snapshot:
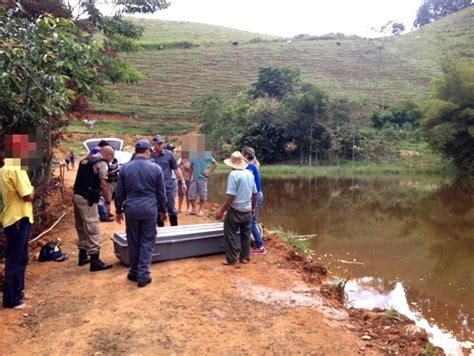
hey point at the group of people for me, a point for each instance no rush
(145, 197)
(144, 192)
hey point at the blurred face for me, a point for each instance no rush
(22, 146)
(201, 143)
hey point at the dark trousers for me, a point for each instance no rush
(16, 259)
(171, 209)
(233, 241)
(141, 237)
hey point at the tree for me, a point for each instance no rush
(275, 82)
(267, 138)
(52, 64)
(405, 113)
(307, 112)
(342, 122)
(449, 118)
(210, 112)
(432, 10)
(393, 28)
(46, 65)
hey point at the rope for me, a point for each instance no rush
(45, 232)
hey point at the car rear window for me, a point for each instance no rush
(93, 143)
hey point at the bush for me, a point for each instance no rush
(406, 114)
(267, 139)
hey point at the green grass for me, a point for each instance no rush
(166, 32)
(299, 243)
(394, 315)
(347, 170)
(175, 77)
(136, 127)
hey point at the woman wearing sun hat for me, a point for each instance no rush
(240, 207)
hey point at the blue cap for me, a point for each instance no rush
(158, 139)
(142, 145)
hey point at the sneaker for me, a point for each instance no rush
(258, 251)
(107, 219)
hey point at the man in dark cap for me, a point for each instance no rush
(166, 160)
(141, 195)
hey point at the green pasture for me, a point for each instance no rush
(348, 170)
(374, 71)
(167, 32)
(134, 127)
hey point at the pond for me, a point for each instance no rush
(388, 235)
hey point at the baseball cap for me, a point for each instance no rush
(158, 139)
(142, 145)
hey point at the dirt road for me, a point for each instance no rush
(193, 306)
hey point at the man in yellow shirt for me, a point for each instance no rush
(16, 193)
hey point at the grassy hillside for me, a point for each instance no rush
(159, 32)
(351, 67)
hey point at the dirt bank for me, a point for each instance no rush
(272, 305)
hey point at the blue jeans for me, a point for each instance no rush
(16, 259)
(102, 209)
(255, 230)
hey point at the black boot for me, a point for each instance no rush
(83, 258)
(97, 264)
(173, 220)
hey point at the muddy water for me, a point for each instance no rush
(409, 234)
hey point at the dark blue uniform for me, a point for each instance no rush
(141, 194)
(168, 163)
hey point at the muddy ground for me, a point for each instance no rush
(273, 305)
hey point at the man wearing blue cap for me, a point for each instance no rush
(141, 195)
(166, 160)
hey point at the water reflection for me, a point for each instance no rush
(420, 233)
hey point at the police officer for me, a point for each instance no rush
(166, 160)
(141, 195)
(91, 180)
(170, 147)
(112, 177)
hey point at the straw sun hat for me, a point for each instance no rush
(236, 161)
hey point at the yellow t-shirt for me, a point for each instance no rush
(14, 185)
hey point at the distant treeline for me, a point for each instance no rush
(286, 119)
